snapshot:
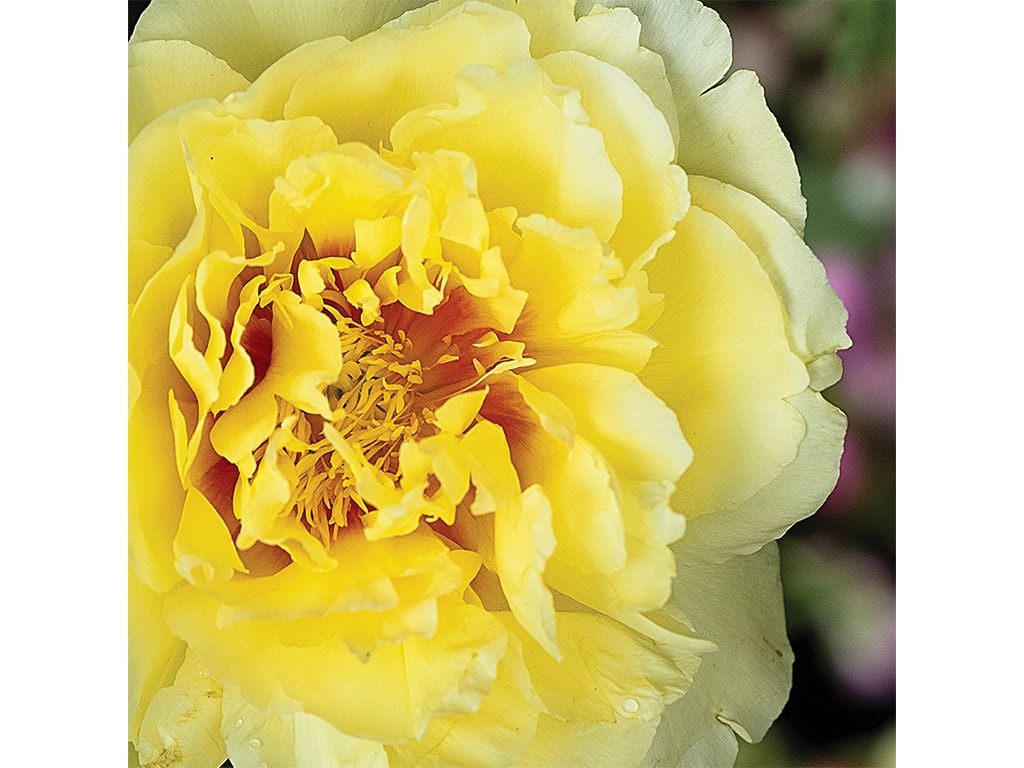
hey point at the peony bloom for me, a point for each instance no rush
(474, 368)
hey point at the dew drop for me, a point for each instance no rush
(630, 706)
(203, 673)
(238, 723)
(255, 743)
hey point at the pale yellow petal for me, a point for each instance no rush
(738, 605)
(383, 592)
(493, 473)
(165, 73)
(257, 738)
(237, 162)
(144, 259)
(599, 710)
(723, 365)
(578, 307)
(610, 36)
(587, 518)
(155, 495)
(730, 134)
(340, 194)
(458, 412)
(726, 132)
(252, 34)
(162, 207)
(815, 317)
(614, 35)
(318, 743)
(798, 490)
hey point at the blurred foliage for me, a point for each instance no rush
(828, 68)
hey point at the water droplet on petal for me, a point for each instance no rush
(630, 706)
(255, 743)
(238, 723)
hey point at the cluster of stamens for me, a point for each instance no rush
(374, 408)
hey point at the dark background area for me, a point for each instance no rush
(828, 68)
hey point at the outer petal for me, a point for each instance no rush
(250, 35)
(155, 495)
(724, 365)
(815, 317)
(743, 686)
(813, 322)
(165, 73)
(726, 132)
(594, 745)
(795, 493)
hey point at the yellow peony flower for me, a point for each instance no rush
(474, 367)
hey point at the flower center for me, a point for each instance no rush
(374, 408)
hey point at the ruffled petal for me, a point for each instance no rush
(531, 143)
(598, 711)
(639, 146)
(631, 427)
(376, 80)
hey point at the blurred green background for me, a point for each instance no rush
(828, 68)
